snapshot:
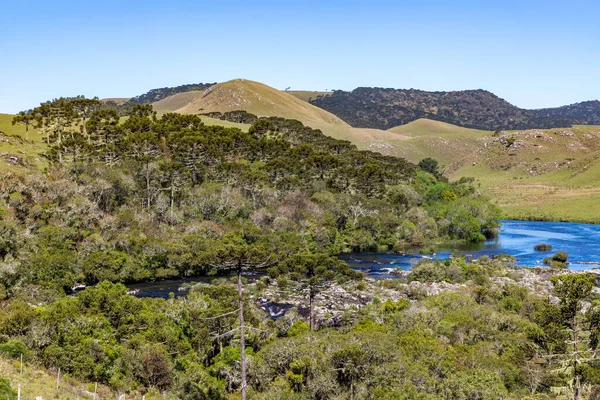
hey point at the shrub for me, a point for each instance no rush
(6, 392)
(14, 348)
(542, 247)
(557, 261)
(298, 328)
(561, 256)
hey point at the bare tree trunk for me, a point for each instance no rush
(311, 316)
(576, 381)
(85, 131)
(242, 338)
(148, 194)
(172, 201)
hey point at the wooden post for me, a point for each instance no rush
(95, 389)
(19, 392)
(242, 338)
(58, 379)
(21, 364)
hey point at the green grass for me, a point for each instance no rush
(29, 151)
(553, 175)
(227, 124)
(428, 127)
(36, 381)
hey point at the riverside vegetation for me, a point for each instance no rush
(144, 198)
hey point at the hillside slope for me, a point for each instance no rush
(265, 101)
(307, 95)
(428, 127)
(385, 108)
(543, 174)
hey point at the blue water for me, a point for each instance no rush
(517, 238)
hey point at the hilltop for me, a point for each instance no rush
(265, 101)
(480, 109)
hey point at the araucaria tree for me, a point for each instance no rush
(312, 273)
(571, 334)
(245, 249)
(26, 119)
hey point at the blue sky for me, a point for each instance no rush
(531, 53)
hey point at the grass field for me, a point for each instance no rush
(550, 174)
(37, 381)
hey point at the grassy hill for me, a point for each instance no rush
(429, 127)
(176, 101)
(543, 174)
(307, 95)
(262, 100)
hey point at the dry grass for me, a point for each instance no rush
(307, 95)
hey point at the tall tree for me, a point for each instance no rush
(572, 290)
(245, 249)
(313, 273)
(84, 108)
(106, 135)
(26, 119)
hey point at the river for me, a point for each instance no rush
(517, 238)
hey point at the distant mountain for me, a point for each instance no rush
(386, 108)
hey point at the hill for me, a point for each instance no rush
(549, 174)
(386, 108)
(428, 127)
(307, 95)
(265, 101)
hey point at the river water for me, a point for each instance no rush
(517, 238)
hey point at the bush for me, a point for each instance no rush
(14, 348)
(561, 256)
(6, 392)
(542, 247)
(557, 261)
(298, 328)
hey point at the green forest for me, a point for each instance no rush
(142, 198)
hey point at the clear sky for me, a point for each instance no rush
(531, 53)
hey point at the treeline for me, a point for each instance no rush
(387, 108)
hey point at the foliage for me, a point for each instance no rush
(386, 108)
(542, 247)
(6, 392)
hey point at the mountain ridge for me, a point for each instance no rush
(385, 108)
